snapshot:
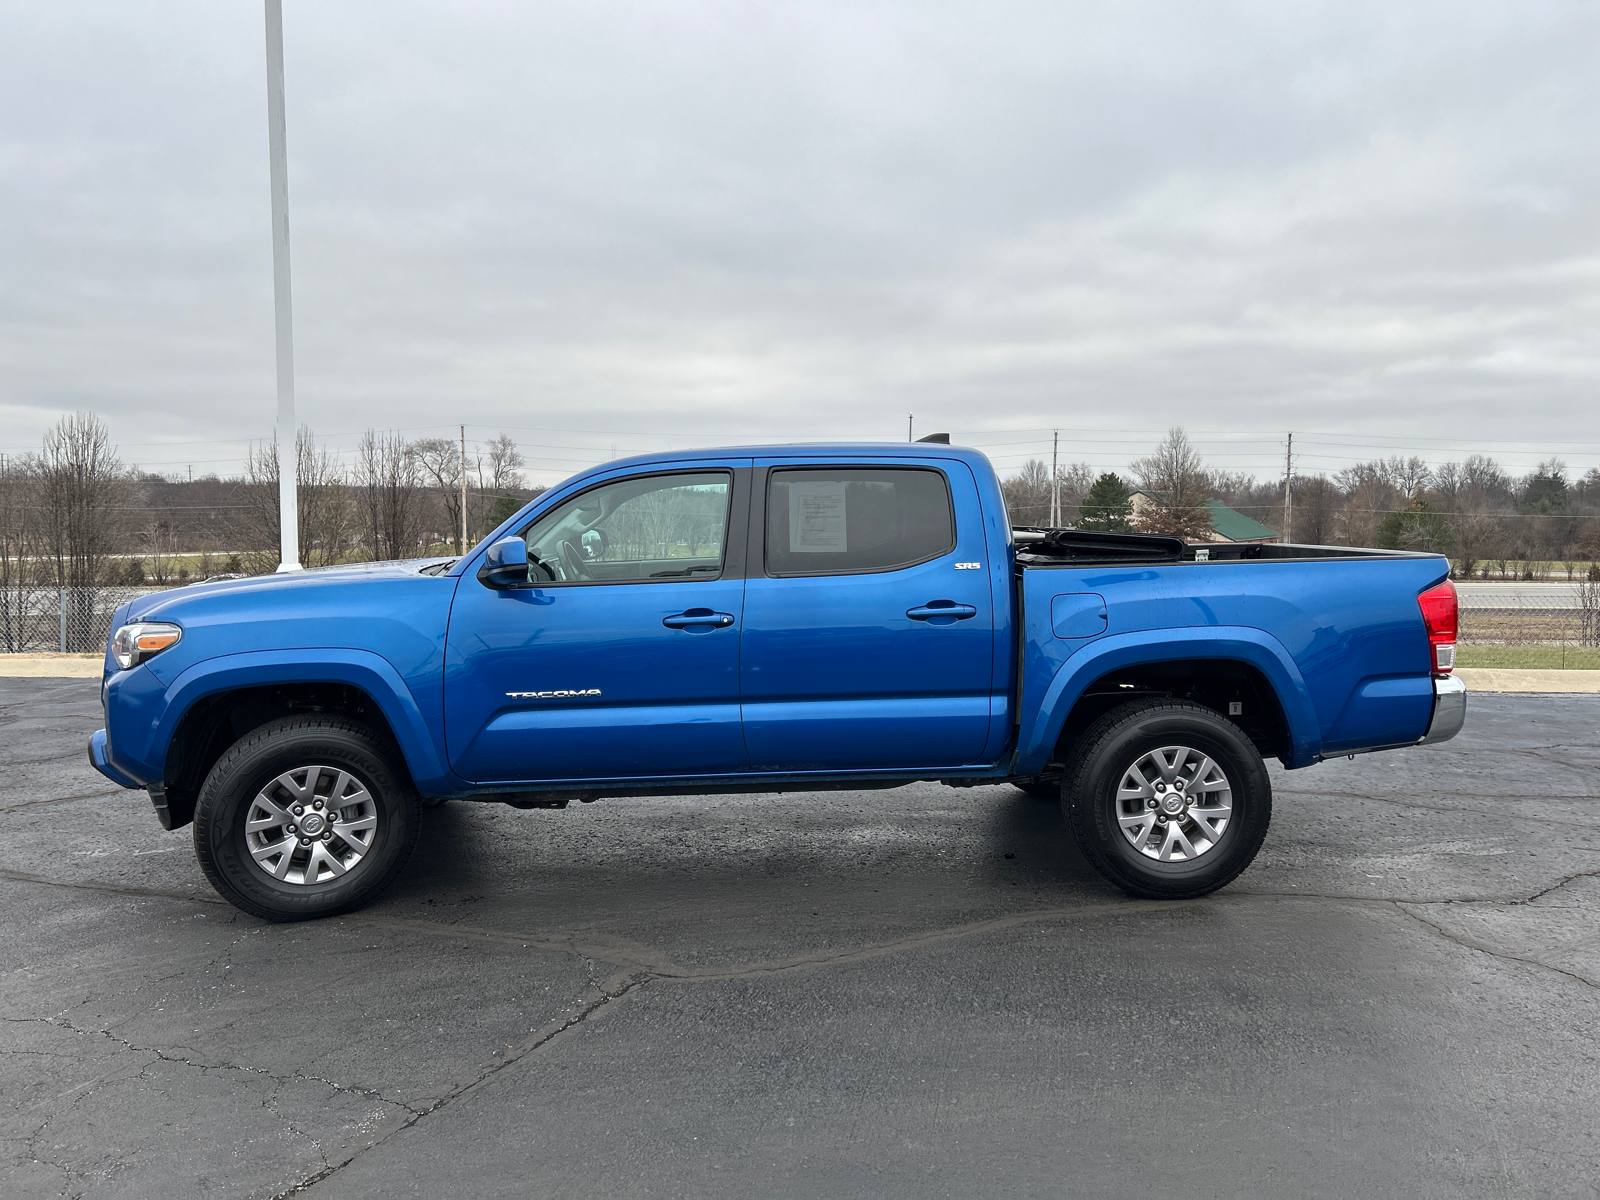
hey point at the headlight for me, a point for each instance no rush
(133, 644)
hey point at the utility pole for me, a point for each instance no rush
(1055, 481)
(278, 170)
(1288, 489)
(463, 489)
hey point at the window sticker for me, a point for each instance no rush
(817, 518)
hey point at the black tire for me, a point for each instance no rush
(1040, 789)
(288, 745)
(1111, 747)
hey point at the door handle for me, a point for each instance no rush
(941, 612)
(698, 620)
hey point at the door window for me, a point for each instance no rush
(840, 521)
(648, 529)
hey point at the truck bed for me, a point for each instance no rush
(1324, 645)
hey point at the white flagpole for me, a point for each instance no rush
(278, 165)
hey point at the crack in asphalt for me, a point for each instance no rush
(101, 794)
(1470, 943)
(1561, 883)
(36, 762)
(611, 991)
(59, 1022)
(641, 965)
(111, 889)
(29, 1148)
(1457, 810)
(653, 966)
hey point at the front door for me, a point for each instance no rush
(868, 627)
(619, 658)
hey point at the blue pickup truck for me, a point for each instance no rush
(791, 618)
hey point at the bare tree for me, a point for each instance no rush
(505, 465)
(1403, 475)
(1316, 510)
(1176, 487)
(1368, 498)
(323, 506)
(81, 484)
(1027, 494)
(1408, 476)
(1588, 547)
(439, 462)
(19, 528)
(159, 564)
(499, 482)
(1477, 534)
(390, 490)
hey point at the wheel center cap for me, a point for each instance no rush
(312, 823)
(1172, 805)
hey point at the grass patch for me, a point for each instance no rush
(1544, 658)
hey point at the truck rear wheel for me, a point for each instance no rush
(1168, 799)
(304, 817)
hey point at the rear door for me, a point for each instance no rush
(868, 624)
(619, 658)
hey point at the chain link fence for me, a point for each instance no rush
(63, 620)
(67, 620)
(1551, 616)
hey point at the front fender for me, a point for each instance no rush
(141, 752)
(1058, 689)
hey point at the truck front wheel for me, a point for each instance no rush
(304, 817)
(1168, 799)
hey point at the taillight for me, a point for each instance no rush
(1439, 611)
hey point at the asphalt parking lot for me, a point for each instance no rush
(919, 992)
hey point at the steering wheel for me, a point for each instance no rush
(572, 561)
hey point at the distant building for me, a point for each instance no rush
(1227, 524)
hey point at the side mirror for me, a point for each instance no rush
(506, 563)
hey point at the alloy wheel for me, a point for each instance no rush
(310, 825)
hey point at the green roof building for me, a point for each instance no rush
(1227, 524)
(1232, 525)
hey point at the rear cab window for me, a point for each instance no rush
(856, 520)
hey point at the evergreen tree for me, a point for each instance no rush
(1106, 506)
(1418, 528)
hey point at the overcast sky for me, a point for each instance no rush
(620, 226)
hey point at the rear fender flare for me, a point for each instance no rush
(370, 672)
(1240, 643)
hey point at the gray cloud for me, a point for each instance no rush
(623, 225)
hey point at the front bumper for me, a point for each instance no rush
(101, 761)
(1449, 709)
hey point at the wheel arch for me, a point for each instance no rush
(216, 702)
(216, 721)
(1210, 666)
